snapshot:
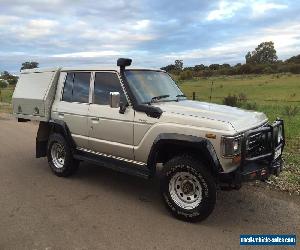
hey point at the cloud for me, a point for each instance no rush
(153, 33)
(285, 37)
(258, 9)
(36, 28)
(88, 54)
(226, 9)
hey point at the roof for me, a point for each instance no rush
(84, 68)
(39, 70)
(101, 67)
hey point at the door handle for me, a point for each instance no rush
(95, 119)
(61, 115)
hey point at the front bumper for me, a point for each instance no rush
(261, 155)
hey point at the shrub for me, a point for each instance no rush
(242, 97)
(231, 100)
(295, 68)
(186, 75)
(268, 70)
(250, 105)
(207, 73)
(290, 111)
(3, 83)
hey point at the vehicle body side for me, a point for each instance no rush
(146, 130)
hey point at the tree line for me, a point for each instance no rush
(262, 60)
(7, 78)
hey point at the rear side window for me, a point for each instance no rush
(67, 96)
(106, 82)
(77, 86)
(81, 87)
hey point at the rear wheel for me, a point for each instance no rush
(189, 191)
(60, 157)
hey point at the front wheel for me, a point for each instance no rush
(188, 190)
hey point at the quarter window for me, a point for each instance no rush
(77, 86)
(105, 83)
(68, 88)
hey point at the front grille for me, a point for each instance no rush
(261, 143)
(258, 142)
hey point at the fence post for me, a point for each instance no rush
(194, 96)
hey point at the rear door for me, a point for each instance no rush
(111, 133)
(74, 105)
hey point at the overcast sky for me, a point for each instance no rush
(153, 33)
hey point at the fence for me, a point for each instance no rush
(197, 96)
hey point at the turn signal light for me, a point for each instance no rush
(211, 136)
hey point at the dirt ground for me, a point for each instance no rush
(101, 209)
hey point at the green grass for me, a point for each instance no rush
(6, 94)
(261, 88)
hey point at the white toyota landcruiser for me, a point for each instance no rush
(132, 119)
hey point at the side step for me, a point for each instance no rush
(115, 164)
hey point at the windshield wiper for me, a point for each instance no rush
(156, 98)
(180, 95)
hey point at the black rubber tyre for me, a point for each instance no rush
(69, 165)
(201, 179)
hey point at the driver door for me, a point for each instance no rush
(111, 133)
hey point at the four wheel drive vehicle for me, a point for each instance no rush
(132, 119)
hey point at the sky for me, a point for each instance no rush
(153, 33)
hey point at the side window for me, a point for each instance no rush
(105, 83)
(68, 88)
(77, 86)
(81, 87)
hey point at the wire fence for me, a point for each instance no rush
(198, 96)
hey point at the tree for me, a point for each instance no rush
(5, 75)
(264, 53)
(29, 65)
(199, 67)
(179, 65)
(169, 68)
(214, 66)
(9, 78)
(226, 66)
(294, 59)
(3, 83)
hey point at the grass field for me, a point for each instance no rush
(6, 94)
(276, 95)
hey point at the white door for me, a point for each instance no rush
(111, 133)
(74, 106)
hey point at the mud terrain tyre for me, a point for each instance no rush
(60, 157)
(188, 189)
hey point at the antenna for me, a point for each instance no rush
(211, 90)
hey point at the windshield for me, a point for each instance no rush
(149, 86)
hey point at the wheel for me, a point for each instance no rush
(60, 157)
(188, 190)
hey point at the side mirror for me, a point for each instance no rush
(123, 107)
(114, 99)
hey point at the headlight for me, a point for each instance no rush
(231, 146)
